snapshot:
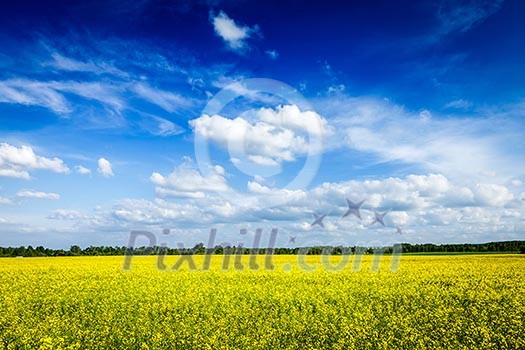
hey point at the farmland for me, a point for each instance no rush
(447, 302)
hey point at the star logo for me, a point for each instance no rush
(353, 208)
(318, 220)
(379, 218)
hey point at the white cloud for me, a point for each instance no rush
(492, 195)
(392, 134)
(158, 126)
(17, 162)
(20, 174)
(266, 193)
(265, 137)
(187, 182)
(107, 94)
(265, 143)
(69, 64)
(33, 93)
(419, 192)
(159, 211)
(37, 195)
(4, 200)
(51, 94)
(291, 117)
(166, 127)
(459, 104)
(259, 179)
(104, 167)
(336, 89)
(425, 205)
(168, 101)
(66, 214)
(233, 34)
(82, 170)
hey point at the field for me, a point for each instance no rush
(446, 302)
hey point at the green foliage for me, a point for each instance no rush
(199, 249)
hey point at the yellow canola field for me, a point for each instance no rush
(431, 302)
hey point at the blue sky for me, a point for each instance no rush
(419, 107)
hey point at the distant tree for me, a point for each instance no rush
(199, 249)
(60, 252)
(75, 250)
(30, 251)
(20, 251)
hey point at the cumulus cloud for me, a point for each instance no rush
(492, 195)
(154, 212)
(187, 182)
(104, 167)
(233, 34)
(266, 137)
(37, 195)
(260, 148)
(17, 162)
(418, 192)
(427, 206)
(265, 194)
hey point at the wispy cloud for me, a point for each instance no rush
(273, 54)
(33, 93)
(394, 134)
(159, 126)
(7, 201)
(169, 101)
(37, 195)
(459, 104)
(461, 17)
(82, 170)
(50, 94)
(120, 92)
(65, 214)
(70, 64)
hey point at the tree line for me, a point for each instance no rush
(75, 250)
